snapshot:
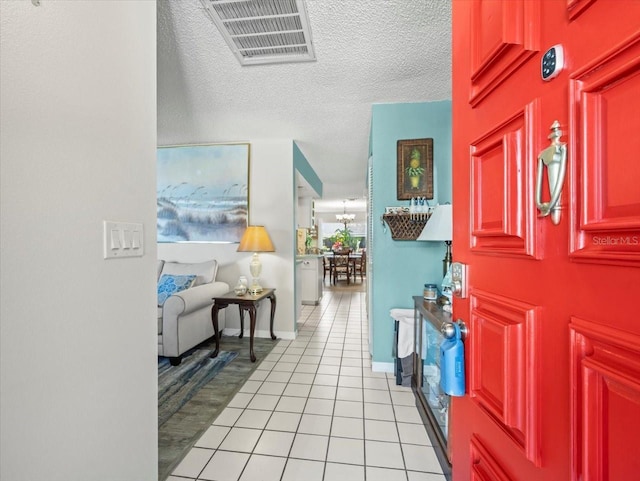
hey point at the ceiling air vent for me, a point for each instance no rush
(264, 31)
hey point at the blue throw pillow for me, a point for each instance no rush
(169, 285)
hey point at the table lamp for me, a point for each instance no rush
(255, 239)
(439, 229)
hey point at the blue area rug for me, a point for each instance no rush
(178, 384)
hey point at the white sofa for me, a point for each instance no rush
(184, 321)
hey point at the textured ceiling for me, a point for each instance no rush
(368, 51)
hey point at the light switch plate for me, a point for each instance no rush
(123, 239)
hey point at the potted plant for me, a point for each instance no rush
(414, 170)
(342, 239)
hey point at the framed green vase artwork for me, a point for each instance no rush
(415, 168)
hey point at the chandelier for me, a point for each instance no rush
(345, 218)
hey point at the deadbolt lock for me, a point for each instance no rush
(459, 279)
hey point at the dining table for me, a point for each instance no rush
(353, 258)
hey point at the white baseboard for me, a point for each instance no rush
(259, 333)
(289, 336)
(382, 367)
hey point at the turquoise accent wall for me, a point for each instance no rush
(301, 164)
(401, 268)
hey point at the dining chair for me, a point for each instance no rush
(342, 266)
(326, 267)
(361, 266)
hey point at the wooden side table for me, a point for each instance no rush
(247, 302)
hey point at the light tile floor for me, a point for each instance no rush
(314, 411)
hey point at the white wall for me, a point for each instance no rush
(304, 211)
(271, 197)
(78, 369)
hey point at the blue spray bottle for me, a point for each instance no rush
(452, 379)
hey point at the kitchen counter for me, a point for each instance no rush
(311, 273)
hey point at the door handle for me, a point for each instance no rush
(448, 329)
(554, 158)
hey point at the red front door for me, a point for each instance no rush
(553, 352)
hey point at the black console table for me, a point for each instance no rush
(433, 404)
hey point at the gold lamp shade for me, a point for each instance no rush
(255, 239)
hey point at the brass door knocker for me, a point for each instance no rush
(554, 158)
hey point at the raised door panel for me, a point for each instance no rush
(503, 370)
(576, 7)
(504, 34)
(484, 464)
(605, 383)
(606, 224)
(503, 219)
